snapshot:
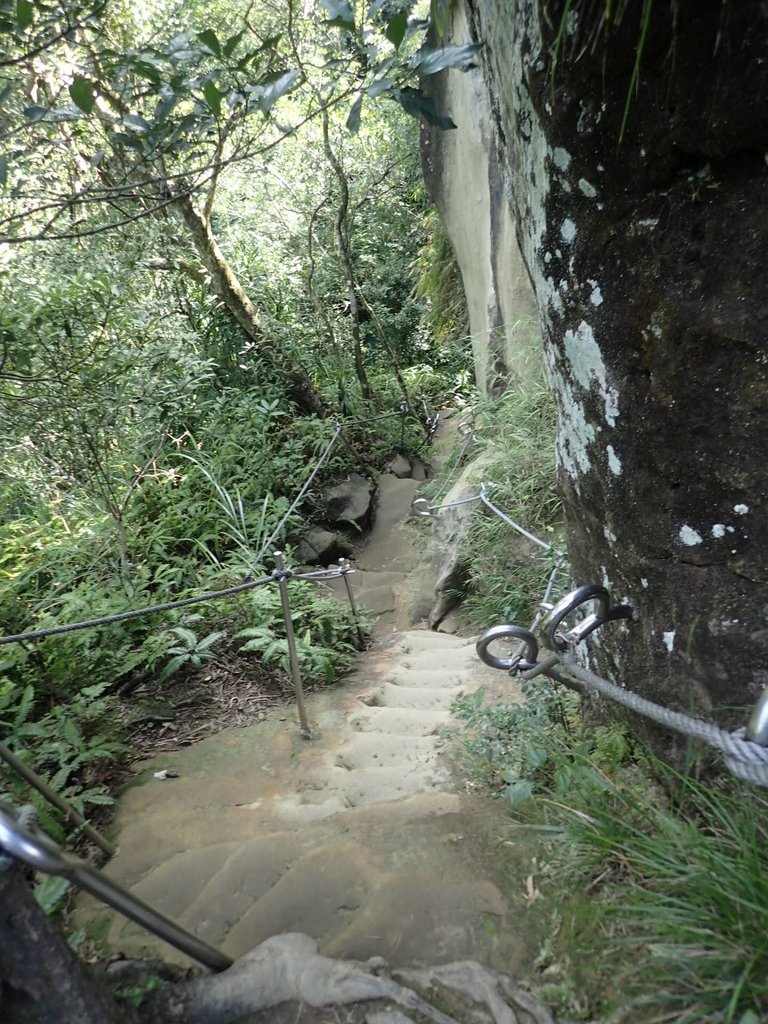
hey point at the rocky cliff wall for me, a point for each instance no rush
(464, 180)
(635, 163)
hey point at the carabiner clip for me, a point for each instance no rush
(605, 613)
(516, 663)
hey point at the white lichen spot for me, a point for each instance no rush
(644, 583)
(568, 230)
(575, 435)
(669, 640)
(614, 463)
(561, 158)
(563, 285)
(596, 296)
(689, 536)
(609, 535)
(600, 167)
(649, 222)
(606, 580)
(588, 368)
(718, 531)
(547, 257)
(731, 529)
(741, 510)
(589, 190)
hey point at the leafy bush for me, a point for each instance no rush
(326, 634)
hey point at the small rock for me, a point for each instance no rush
(350, 501)
(166, 773)
(418, 470)
(450, 624)
(399, 467)
(320, 547)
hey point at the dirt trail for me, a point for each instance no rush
(362, 837)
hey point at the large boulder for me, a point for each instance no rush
(321, 547)
(350, 502)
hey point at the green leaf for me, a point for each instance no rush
(340, 13)
(212, 97)
(50, 892)
(25, 13)
(136, 123)
(396, 29)
(414, 102)
(83, 93)
(35, 112)
(210, 41)
(278, 88)
(353, 121)
(379, 86)
(232, 43)
(428, 61)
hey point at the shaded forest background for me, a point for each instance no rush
(208, 259)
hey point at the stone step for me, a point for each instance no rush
(422, 698)
(415, 641)
(400, 721)
(361, 786)
(427, 678)
(367, 750)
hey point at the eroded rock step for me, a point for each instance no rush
(354, 837)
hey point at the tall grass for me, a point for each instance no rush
(677, 888)
(517, 435)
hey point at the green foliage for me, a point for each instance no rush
(440, 285)
(190, 650)
(679, 893)
(657, 884)
(326, 636)
(511, 745)
(508, 575)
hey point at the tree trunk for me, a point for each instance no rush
(227, 287)
(341, 237)
(647, 250)
(40, 978)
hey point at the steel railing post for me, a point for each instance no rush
(293, 654)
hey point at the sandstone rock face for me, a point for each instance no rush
(465, 183)
(646, 242)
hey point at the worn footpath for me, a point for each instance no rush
(363, 837)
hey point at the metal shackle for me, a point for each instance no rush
(605, 613)
(516, 662)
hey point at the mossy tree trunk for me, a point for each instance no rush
(227, 287)
(41, 980)
(647, 245)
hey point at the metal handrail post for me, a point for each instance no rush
(53, 797)
(293, 654)
(345, 569)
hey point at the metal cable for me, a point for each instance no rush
(516, 526)
(745, 759)
(136, 613)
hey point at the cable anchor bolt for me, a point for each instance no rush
(605, 612)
